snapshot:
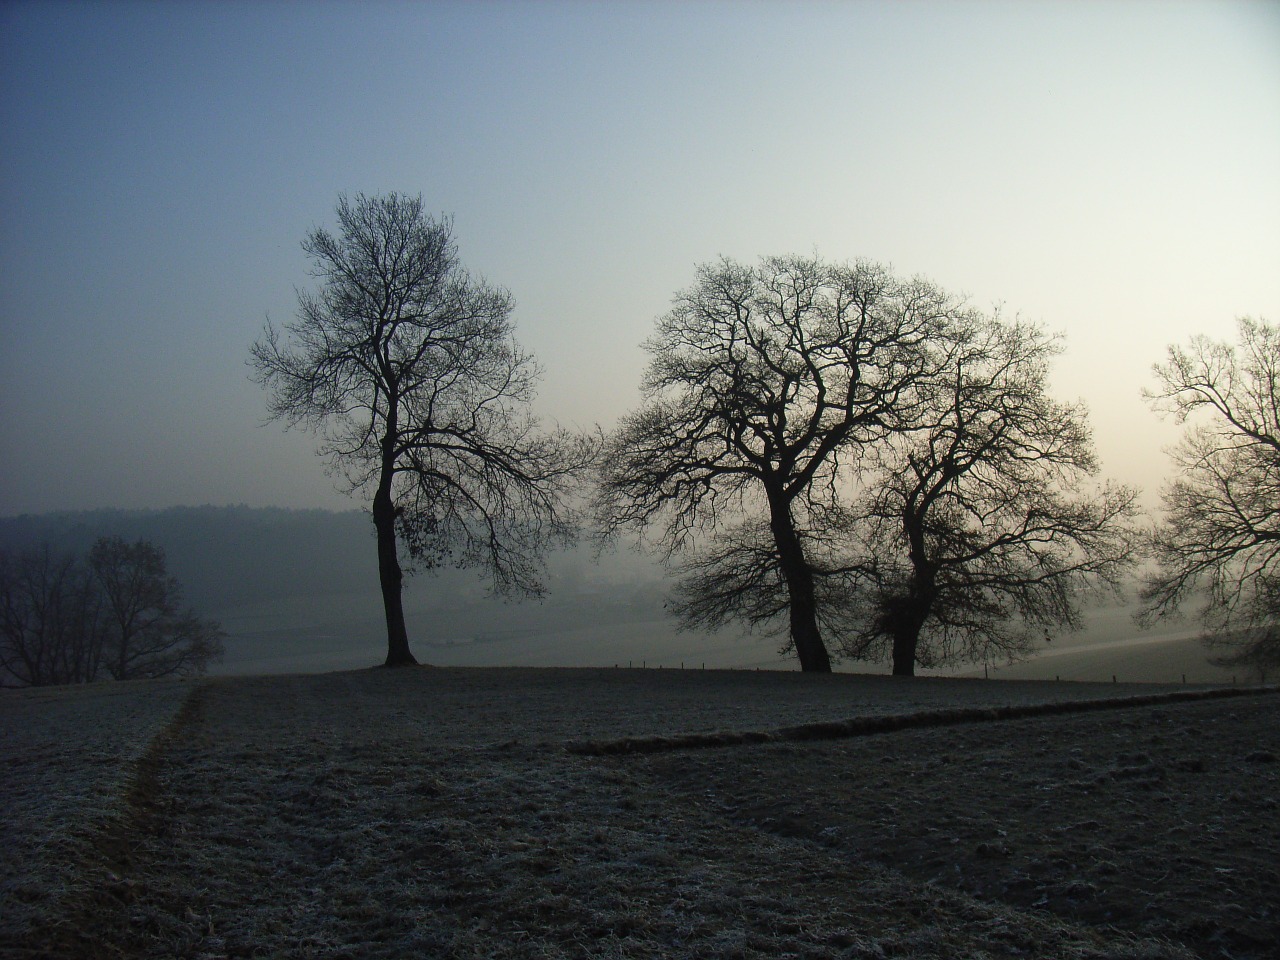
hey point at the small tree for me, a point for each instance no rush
(1219, 539)
(765, 384)
(146, 633)
(50, 620)
(63, 620)
(978, 531)
(407, 369)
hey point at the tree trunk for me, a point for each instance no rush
(904, 650)
(803, 603)
(907, 622)
(391, 578)
(804, 632)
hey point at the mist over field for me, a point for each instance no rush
(296, 591)
(292, 806)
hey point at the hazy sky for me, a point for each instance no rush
(1111, 170)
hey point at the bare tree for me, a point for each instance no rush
(146, 633)
(50, 623)
(980, 530)
(764, 385)
(63, 620)
(1219, 540)
(407, 369)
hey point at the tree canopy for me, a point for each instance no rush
(980, 529)
(865, 463)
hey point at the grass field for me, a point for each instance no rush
(481, 813)
(68, 755)
(347, 631)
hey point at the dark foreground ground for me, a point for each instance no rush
(478, 813)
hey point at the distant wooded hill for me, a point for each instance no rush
(297, 590)
(225, 555)
(235, 555)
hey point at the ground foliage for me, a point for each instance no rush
(440, 813)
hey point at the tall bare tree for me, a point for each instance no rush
(764, 385)
(981, 529)
(1219, 540)
(407, 369)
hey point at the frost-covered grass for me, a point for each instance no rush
(67, 758)
(440, 813)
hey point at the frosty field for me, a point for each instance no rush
(563, 813)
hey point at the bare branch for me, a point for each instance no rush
(978, 531)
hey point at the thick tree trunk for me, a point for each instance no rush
(391, 578)
(804, 633)
(801, 595)
(908, 620)
(904, 651)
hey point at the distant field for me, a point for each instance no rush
(346, 631)
(1112, 645)
(1152, 660)
(297, 593)
(448, 813)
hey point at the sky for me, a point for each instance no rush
(1108, 170)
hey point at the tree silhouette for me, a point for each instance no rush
(407, 369)
(118, 615)
(764, 386)
(145, 631)
(1219, 540)
(979, 530)
(50, 619)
